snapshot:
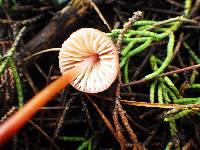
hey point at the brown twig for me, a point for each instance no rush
(118, 108)
(158, 105)
(180, 70)
(105, 119)
(194, 9)
(146, 59)
(152, 135)
(189, 145)
(100, 14)
(88, 115)
(62, 117)
(30, 81)
(122, 140)
(141, 81)
(45, 135)
(172, 2)
(127, 26)
(147, 131)
(126, 123)
(179, 43)
(40, 70)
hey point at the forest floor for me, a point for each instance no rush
(153, 104)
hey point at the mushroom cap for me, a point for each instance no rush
(82, 44)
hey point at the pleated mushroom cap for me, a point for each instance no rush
(84, 43)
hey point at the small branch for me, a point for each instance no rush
(122, 140)
(180, 70)
(100, 14)
(62, 117)
(158, 105)
(44, 134)
(141, 81)
(179, 43)
(126, 27)
(41, 52)
(12, 50)
(105, 119)
(126, 123)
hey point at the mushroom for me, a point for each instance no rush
(84, 43)
(88, 60)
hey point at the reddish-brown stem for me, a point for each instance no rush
(17, 121)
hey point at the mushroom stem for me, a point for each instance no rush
(17, 121)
